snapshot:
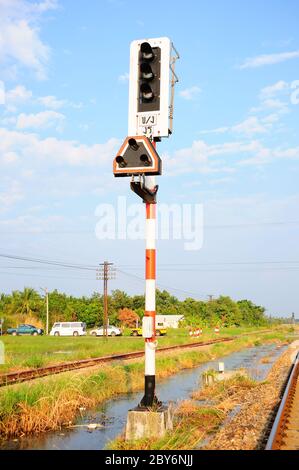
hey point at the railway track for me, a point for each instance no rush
(285, 431)
(24, 376)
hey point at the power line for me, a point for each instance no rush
(71, 265)
(131, 266)
(44, 261)
(158, 283)
(205, 226)
(47, 276)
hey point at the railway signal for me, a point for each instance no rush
(152, 80)
(151, 98)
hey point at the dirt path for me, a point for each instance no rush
(249, 429)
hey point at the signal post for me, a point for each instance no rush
(151, 95)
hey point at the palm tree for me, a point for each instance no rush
(25, 303)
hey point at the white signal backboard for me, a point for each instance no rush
(155, 123)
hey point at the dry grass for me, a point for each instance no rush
(265, 360)
(192, 424)
(52, 402)
(248, 429)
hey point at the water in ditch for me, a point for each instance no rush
(111, 415)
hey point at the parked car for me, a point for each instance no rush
(160, 331)
(25, 330)
(111, 331)
(68, 329)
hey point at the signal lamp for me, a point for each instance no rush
(133, 144)
(121, 161)
(147, 93)
(146, 71)
(145, 160)
(147, 51)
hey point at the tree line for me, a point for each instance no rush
(28, 306)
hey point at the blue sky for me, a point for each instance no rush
(235, 147)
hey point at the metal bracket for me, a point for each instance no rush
(173, 81)
(146, 194)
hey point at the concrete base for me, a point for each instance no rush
(142, 423)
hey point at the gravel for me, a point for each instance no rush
(250, 427)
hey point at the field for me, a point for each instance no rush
(26, 352)
(53, 402)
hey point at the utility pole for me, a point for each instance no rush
(104, 273)
(47, 308)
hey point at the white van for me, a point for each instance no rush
(68, 329)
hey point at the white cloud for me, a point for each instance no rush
(20, 43)
(17, 96)
(53, 168)
(10, 195)
(46, 5)
(190, 93)
(268, 59)
(265, 155)
(30, 147)
(51, 102)
(218, 130)
(41, 120)
(2, 92)
(9, 158)
(274, 104)
(249, 127)
(270, 98)
(199, 158)
(124, 77)
(271, 118)
(54, 103)
(272, 90)
(206, 159)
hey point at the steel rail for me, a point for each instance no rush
(22, 376)
(280, 424)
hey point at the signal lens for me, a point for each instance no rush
(147, 51)
(145, 160)
(146, 71)
(146, 92)
(133, 144)
(121, 161)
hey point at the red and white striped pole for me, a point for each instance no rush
(150, 298)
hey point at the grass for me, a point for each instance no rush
(53, 402)
(193, 423)
(220, 391)
(31, 352)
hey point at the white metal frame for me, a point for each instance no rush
(157, 123)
